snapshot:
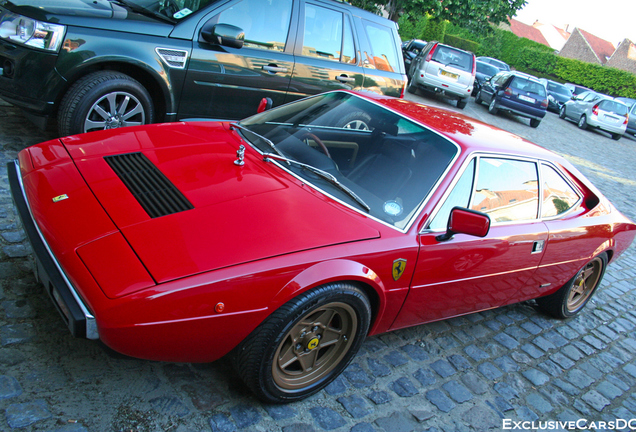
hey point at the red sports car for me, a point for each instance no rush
(287, 238)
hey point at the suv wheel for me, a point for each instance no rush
(357, 120)
(616, 136)
(534, 123)
(492, 108)
(104, 100)
(583, 122)
(461, 103)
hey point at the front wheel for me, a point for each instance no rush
(583, 122)
(572, 297)
(562, 112)
(305, 344)
(357, 120)
(492, 108)
(104, 100)
(478, 97)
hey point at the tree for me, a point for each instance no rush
(474, 14)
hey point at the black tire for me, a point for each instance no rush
(357, 120)
(572, 297)
(492, 108)
(616, 136)
(283, 359)
(478, 97)
(105, 92)
(411, 87)
(583, 122)
(461, 103)
(562, 112)
(535, 123)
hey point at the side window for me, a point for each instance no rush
(324, 30)
(384, 56)
(265, 22)
(459, 197)
(558, 195)
(507, 190)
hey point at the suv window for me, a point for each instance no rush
(384, 55)
(507, 190)
(324, 29)
(450, 56)
(266, 25)
(558, 195)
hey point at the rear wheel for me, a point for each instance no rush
(104, 100)
(583, 122)
(478, 97)
(616, 136)
(461, 103)
(534, 123)
(305, 344)
(572, 297)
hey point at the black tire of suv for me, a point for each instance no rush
(616, 136)
(461, 103)
(77, 102)
(534, 123)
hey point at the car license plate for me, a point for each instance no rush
(527, 99)
(449, 74)
(611, 119)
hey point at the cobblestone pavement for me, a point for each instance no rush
(463, 374)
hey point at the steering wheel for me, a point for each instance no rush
(318, 141)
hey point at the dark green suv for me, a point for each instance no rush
(100, 64)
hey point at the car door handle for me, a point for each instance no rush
(345, 79)
(274, 69)
(537, 246)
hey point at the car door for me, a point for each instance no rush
(466, 274)
(227, 83)
(326, 55)
(492, 86)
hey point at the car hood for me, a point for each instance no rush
(100, 14)
(236, 214)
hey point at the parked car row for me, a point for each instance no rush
(594, 110)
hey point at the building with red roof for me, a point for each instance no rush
(586, 47)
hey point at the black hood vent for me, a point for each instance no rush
(156, 194)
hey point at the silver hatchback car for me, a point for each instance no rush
(595, 110)
(443, 69)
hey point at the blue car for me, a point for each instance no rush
(515, 92)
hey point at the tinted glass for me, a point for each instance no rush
(385, 54)
(451, 56)
(558, 195)
(486, 69)
(459, 197)
(613, 106)
(558, 88)
(507, 190)
(266, 23)
(526, 85)
(323, 33)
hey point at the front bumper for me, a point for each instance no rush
(79, 319)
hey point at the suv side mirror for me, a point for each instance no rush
(223, 34)
(464, 221)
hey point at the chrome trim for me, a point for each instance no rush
(91, 324)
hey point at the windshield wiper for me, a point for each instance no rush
(267, 157)
(270, 143)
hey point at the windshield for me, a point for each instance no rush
(174, 10)
(486, 69)
(560, 89)
(383, 164)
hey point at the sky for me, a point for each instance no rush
(612, 20)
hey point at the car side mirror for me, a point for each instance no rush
(223, 34)
(265, 104)
(464, 221)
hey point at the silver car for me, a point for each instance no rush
(631, 123)
(443, 69)
(595, 110)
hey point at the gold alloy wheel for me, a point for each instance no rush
(314, 346)
(584, 284)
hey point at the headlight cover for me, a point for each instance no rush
(29, 32)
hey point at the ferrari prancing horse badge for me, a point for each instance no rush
(399, 265)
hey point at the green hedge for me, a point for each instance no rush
(461, 43)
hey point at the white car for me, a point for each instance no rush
(444, 69)
(595, 110)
